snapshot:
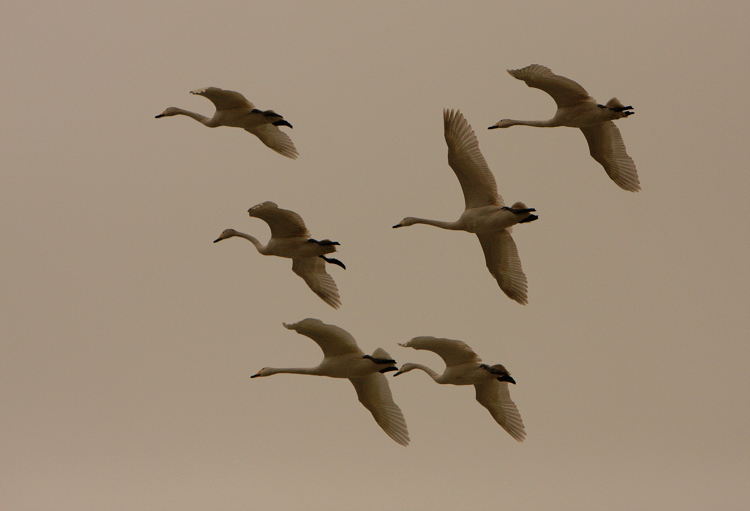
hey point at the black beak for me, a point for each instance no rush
(387, 369)
(529, 218)
(507, 378)
(282, 122)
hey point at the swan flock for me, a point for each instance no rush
(485, 215)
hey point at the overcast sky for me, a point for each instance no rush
(128, 337)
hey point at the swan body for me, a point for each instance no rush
(291, 239)
(485, 213)
(576, 109)
(464, 367)
(342, 358)
(232, 109)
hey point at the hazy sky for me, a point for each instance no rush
(128, 337)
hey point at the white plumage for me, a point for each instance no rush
(576, 109)
(485, 213)
(342, 358)
(464, 367)
(232, 109)
(290, 238)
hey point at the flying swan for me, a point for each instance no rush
(464, 367)
(485, 213)
(232, 109)
(576, 109)
(342, 358)
(290, 238)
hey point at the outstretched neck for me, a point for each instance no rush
(539, 124)
(198, 117)
(453, 226)
(435, 376)
(261, 248)
(268, 371)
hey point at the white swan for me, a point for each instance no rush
(485, 213)
(290, 238)
(464, 367)
(232, 109)
(576, 109)
(342, 358)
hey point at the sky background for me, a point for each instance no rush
(128, 337)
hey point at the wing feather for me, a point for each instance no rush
(276, 139)
(451, 351)
(333, 340)
(466, 160)
(224, 99)
(495, 396)
(313, 272)
(283, 223)
(375, 394)
(503, 262)
(606, 147)
(563, 90)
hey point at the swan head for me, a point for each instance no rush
(504, 123)
(263, 372)
(405, 369)
(227, 233)
(406, 222)
(169, 111)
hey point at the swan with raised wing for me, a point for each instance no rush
(485, 214)
(342, 358)
(290, 238)
(232, 109)
(576, 109)
(464, 367)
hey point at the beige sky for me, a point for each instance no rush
(128, 337)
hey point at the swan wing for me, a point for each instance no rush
(606, 147)
(333, 340)
(451, 351)
(467, 162)
(563, 90)
(501, 256)
(495, 396)
(283, 223)
(313, 272)
(276, 139)
(375, 394)
(224, 99)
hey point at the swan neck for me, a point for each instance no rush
(198, 117)
(435, 376)
(453, 226)
(538, 124)
(291, 370)
(261, 248)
